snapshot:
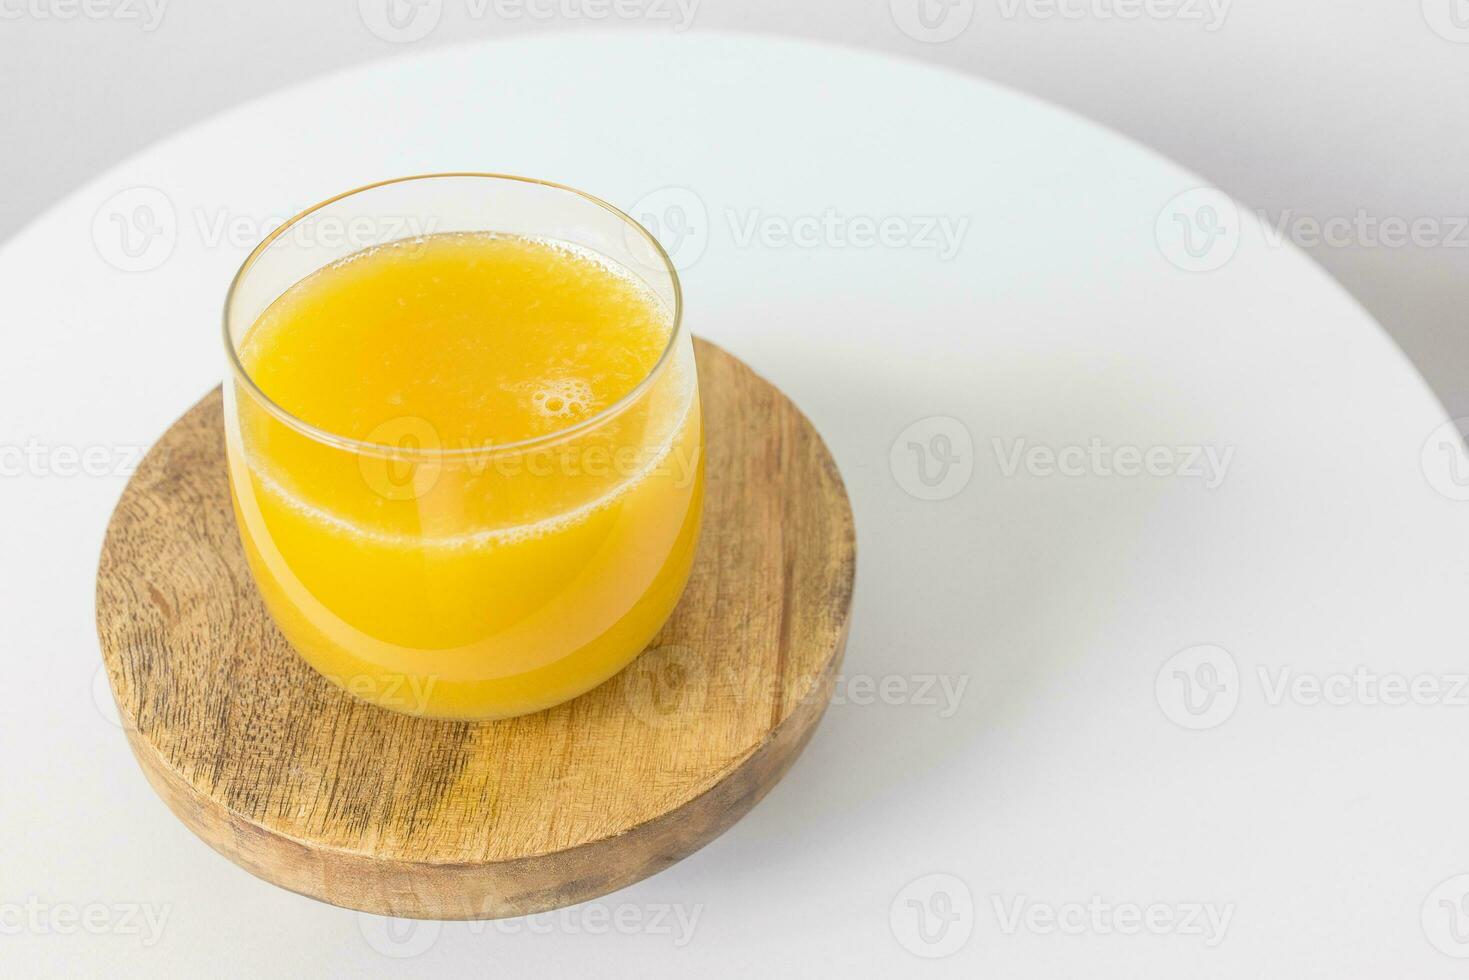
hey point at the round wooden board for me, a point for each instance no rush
(315, 791)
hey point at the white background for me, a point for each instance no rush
(1313, 107)
(1069, 606)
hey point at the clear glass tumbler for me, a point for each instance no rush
(467, 582)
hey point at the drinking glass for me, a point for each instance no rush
(466, 582)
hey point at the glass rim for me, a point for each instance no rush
(350, 444)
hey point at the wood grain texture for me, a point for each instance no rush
(315, 791)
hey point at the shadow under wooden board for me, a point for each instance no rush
(306, 787)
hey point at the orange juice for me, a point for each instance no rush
(478, 489)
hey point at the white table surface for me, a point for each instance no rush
(1069, 778)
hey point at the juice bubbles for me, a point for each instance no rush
(473, 484)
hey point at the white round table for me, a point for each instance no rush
(1157, 665)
